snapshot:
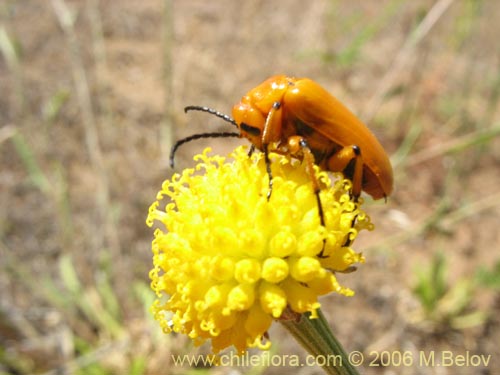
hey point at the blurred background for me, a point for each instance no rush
(91, 98)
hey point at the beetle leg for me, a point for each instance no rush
(339, 161)
(296, 144)
(273, 124)
(268, 170)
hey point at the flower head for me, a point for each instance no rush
(228, 261)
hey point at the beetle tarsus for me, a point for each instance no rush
(269, 172)
(251, 151)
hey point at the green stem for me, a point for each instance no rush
(316, 337)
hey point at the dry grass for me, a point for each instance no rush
(92, 95)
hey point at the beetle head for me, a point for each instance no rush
(250, 121)
(252, 112)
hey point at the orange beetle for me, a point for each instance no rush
(307, 122)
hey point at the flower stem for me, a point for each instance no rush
(316, 337)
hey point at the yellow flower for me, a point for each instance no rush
(227, 261)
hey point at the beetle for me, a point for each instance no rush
(298, 117)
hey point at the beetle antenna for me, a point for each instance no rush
(193, 137)
(212, 112)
